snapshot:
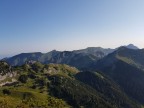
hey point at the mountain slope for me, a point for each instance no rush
(78, 58)
(125, 67)
(21, 59)
(97, 51)
(19, 93)
(48, 86)
(74, 58)
(110, 90)
(92, 53)
(76, 93)
(58, 86)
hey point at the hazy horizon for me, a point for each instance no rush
(10, 55)
(42, 26)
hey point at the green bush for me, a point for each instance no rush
(23, 78)
(6, 91)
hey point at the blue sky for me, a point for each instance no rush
(44, 25)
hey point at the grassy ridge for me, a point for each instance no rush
(57, 86)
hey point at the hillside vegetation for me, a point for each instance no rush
(125, 67)
(61, 86)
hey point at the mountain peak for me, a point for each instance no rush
(131, 46)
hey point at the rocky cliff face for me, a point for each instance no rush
(7, 74)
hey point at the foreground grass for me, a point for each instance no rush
(22, 97)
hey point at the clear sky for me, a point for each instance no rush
(44, 25)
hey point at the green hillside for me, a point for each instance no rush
(125, 67)
(48, 86)
(109, 89)
(60, 86)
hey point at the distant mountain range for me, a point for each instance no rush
(78, 58)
